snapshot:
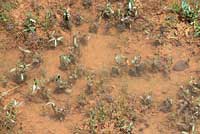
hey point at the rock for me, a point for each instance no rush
(121, 27)
(181, 65)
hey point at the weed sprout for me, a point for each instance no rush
(131, 9)
(9, 120)
(20, 72)
(108, 12)
(30, 25)
(67, 23)
(66, 60)
(35, 86)
(61, 85)
(50, 20)
(55, 40)
(120, 60)
(146, 100)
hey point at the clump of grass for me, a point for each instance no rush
(30, 24)
(146, 100)
(188, 109)
(108, 11)
(8, 117)
(49, 21)
(189, 14)
(66, 61)
(20, 72)
(118, 115)
(3, 17)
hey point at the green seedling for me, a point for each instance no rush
(3, 17)
(66, 61)
(9, 120)
(188, 13)
(108, 12)
(20, 72)
(54, 40)
(35, 86)
(175, 8)
(120, 59)
(137, 67)
(67, 22)
(59, 113)
(30, 25)
(119, 114)
(131, 9)
(50, 20)
(61, 85)
(136, 60)
(196, 29)
(77, 73)
(146, 100)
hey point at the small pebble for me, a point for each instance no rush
(180, 65)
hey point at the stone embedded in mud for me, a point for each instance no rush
(181, 65)
(121, 27)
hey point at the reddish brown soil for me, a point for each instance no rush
(98, 56)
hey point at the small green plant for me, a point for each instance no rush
(120, 59)
(61, 85)
(55, 40)
(3, 17)
(49, 21)
(8, 116)
(196, 29)
(131, 9)
(146, 100)
(30, 24)
(66, 61)
(189, 14)
(119, 115)
(175, 7)
(107, 12)
(35, 86)
(19, 71)
(67, 22)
